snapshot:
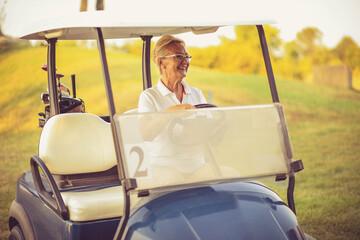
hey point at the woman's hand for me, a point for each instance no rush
(181, 107)
(150, 126)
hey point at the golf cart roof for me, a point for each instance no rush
(81, 26)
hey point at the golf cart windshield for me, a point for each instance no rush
(204, 145)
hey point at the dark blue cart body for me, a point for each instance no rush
(225, 211)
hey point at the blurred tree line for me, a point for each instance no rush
(293, 60)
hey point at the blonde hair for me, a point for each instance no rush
(159, 50)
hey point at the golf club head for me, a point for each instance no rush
(63, 90)
(45, 98)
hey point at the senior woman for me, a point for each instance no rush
(171, 163)
(171, 92)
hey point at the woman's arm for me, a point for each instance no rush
(150, 126)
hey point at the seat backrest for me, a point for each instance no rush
(135, 110)
(76, 143)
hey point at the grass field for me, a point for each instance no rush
(323, 124)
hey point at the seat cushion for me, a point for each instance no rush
(94, 205)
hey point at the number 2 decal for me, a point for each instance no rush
(140, 153)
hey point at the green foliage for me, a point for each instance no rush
(294, 59)
(348, 52)
(208, 60)
(9, 44)
(308, 40)
(133, 47)
(293, 66)
(241, 55)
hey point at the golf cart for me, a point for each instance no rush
(92, 177)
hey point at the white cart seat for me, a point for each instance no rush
(80, 143)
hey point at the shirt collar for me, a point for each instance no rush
(165, 91)
(187, 88)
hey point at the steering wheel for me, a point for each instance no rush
(196, 130)
(205, 105)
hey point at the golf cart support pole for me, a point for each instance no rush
(127, 184)
(268, 66)
(51, 71)
(146, 62)
(275, 98)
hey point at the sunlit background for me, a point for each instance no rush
(310, 38)
(334, 18)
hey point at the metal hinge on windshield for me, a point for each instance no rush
(295, 167)
(130, 183)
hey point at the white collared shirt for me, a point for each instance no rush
(159, 97)
(161, 151)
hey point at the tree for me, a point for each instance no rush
(243, 54)
(308, 40)
(294, 64)
(250, 34)
(348, 52)
(273, 40)
(133, 47)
